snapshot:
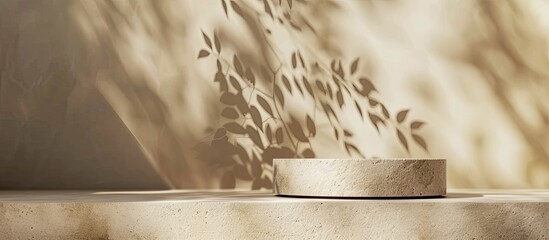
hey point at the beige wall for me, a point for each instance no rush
(109, 94)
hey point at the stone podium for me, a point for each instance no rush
(360, 177)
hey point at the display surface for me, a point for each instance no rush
(360, 177)
(462, 214)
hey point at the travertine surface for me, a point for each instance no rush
(360, 177)
(260, 215)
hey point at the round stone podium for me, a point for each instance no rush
(407, 177)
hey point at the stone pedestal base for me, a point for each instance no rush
(462, 214)
(360, 177)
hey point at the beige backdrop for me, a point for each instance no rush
(110, 94)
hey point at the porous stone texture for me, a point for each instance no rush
(360, 177)
(260, 215)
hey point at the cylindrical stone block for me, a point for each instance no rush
(360, 177)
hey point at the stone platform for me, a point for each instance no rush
(462, 214)
(335, 177)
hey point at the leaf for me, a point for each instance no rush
(269, 134)
(320, 86)
(229, 113)
(238, 66)
(308, 86)
(367, 87)
(359, 110)
(228, 181)
(297, 131)
(308, 153)
(416, 124)
(328, 110)
(347, 133)
(329, 91)
(221, 132)
(298, 86)
(337, 69)
(340, 71)
(268, 8)
(224, 4)
(265, 105)
(219, 67)
(203, 53)
(256, 117)
(354, 66)
(217, 43)
(242, 153)
(234, 128)
(279, 135)
(420, 141)
(402, 139)
(287, 15)
(301, 60)
(385, 111)
(235, 83)
(254, 135)
(241, 172)
(294, 60)
(219, 77)
(228, 98)
(242, 104)
(279, 95)
(271, 153)
(375, 119)
(223, 147)
(339, 97)
(311, 125)
(401, 116)
(373, 102)
(236, 8)
(287, 83)
(309, 25)
(335, 79)
(207, 40)
(250, 76)
(350, 146)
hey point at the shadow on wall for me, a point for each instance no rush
(275, 102)
(109, 94)
(56, 130)
(512, 58)
(482, 86)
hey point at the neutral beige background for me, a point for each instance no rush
(109, 94)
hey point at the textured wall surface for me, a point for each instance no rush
(110, 94)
